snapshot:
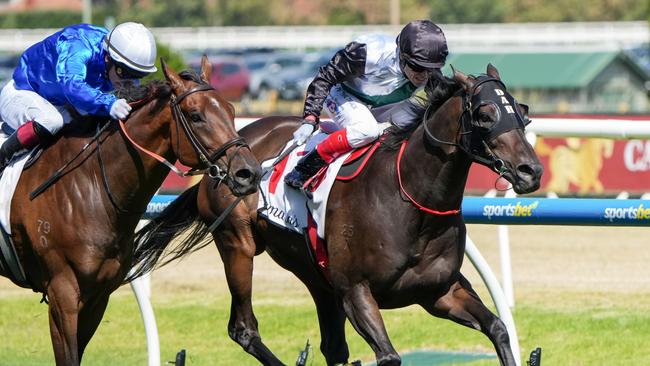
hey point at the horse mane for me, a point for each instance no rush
(158, 90)
(438, 90)
(154, 89)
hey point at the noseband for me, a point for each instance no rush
(213, 170)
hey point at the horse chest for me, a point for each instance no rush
(432, 263)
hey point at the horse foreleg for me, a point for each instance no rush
(363, 312)
(237, 250)
(331, 319)
(64, 304)
(462, 305)
(89, 318)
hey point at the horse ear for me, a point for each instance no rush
(524, 113)
(493, 72)
(206, 69)
(171, 76)
(463, 79)
(524, 109)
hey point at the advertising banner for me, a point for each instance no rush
(572, 165)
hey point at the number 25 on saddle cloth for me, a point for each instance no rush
(291, 209)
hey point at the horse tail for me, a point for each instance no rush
(152, 241)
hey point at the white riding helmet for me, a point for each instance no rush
(132, 45)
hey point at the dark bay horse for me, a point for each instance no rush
(75, 239)
(395, 236)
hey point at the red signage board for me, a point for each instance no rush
(583, 166)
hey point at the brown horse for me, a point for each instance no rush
(385, 247)
(75, 239)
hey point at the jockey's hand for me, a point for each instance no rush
(120, 109)
(302, 134)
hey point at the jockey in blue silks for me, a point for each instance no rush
(78, 66)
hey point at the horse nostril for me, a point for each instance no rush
(244, 175)
(525, 169)
(533, 171)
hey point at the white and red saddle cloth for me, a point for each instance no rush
(289, 208)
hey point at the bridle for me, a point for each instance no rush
(471, 143)
(476, 144)
(213, 170)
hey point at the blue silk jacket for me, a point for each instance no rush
(68, 68)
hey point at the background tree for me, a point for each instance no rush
(173, 59)
(193, 13)
(468, 11)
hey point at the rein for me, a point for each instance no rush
(411, 199)
(213, 170)
(59, 172)
(162, 160)
(465, 119)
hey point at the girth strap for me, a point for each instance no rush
(9, 261)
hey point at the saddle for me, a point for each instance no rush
(355, 163)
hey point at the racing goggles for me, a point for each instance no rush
(125, 72)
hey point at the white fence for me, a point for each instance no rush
(461, 37)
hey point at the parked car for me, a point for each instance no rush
(265, 69)
(292, 84)
(230, 76)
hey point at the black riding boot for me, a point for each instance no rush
(308, 165)
(8, 149)
(32, 134)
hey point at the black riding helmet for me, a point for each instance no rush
(423, 44)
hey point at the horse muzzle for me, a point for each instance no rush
(244, 180)
(526, 178)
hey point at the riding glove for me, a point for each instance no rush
(120, 109)
(302, 134)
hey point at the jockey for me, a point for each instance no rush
(78, 66)
(371, 80)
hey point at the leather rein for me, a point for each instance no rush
(465, 120)
(207, 159)
(213, 170)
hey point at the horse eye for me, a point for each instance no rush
(484, 117)
(196, 117)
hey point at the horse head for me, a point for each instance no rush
(204, 134)
(492, 130)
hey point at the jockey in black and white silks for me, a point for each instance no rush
(373, 79)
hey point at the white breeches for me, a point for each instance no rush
(362, 121)
(18, 107)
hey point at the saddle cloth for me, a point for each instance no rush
(8, 183)
(288, 207)
(9, 262)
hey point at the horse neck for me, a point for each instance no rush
(435, 176)
(133, 176)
